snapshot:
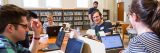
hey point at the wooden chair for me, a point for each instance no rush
(124, 31)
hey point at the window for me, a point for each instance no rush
(31, 3)
(1, 2)
(82, 3)
(53, 3)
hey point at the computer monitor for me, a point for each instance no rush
(53, 30)
(74, 46)
(112, 42)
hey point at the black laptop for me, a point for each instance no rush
(74, 46)
(58, 44)
(53, 30)
(113, 43)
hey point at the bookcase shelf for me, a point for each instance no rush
(76, 17)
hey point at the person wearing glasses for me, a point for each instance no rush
(25, 43)
(144, 16)
(13, 28)
(100, 24)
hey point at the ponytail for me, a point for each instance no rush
(155, 26)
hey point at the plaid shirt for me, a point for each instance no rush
(7, 46)
(145, 43)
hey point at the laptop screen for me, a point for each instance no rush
(53, 30)
(74, 46)
(112, 42)
(60, 38)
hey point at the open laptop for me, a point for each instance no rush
(74, 46)
(53, 30)
(58, 44)
(113, 43)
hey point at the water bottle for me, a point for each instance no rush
(78, 30)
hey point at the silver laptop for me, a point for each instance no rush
(113, 43)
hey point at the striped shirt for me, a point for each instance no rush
(147, 42)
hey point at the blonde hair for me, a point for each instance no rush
(49, 16)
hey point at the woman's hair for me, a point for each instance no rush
(148, 12)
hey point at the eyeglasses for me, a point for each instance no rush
(25, 26)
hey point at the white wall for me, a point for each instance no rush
(111, 5)
(69, 3)
(126, 7)
(106, 4)
(16, 2)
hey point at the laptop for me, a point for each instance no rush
(53, 30)
(57, 45)
(113, 43)
(74, 46)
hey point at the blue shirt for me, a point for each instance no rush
(92, 10)
(7, 46)
(103, 27)
(147, 42)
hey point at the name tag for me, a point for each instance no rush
(101, 28)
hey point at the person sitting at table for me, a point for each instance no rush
(100, 24)
(25, 43)
(144, 16)
(13, 28)
(48, 23)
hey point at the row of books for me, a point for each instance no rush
(86, 13)
(77, 18)
(68, 18)
(86, 23)
(54, 19)
(105, 13)
(78, 23)
(57, 13)
(78, 13)
(86, 18)
(57, 18)
(68, 13)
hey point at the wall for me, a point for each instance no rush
(126, 7)
(106, 4)
(69, 3)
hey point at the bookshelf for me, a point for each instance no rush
(106, 14)
(76, 17)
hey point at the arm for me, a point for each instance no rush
(108, 33)
(36, 26)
